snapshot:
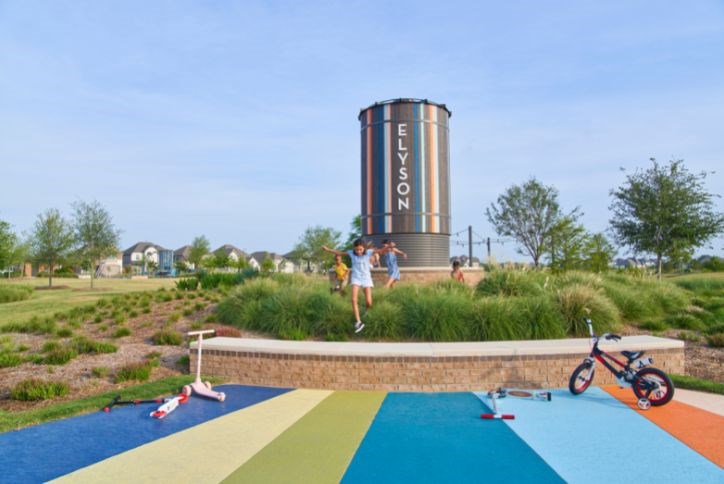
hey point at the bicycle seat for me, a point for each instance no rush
(633, 355)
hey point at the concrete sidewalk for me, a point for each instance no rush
(706, 401)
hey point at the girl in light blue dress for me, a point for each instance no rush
(361, 275)
(393, 270)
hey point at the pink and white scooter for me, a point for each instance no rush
(202, 388)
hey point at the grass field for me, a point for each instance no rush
(78, 292)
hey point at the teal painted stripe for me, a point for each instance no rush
(439, 437)
(594, 437)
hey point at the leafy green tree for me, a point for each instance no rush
(51, 240)
(240, 264)
(200, 247)
(8, 246)
(530, 214)
(95, 234)
(598, 253)
(221, 259)
(309, 247)
(267, 265)
(665, 211)
(565, 245)
(181, 266)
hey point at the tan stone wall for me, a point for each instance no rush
(427, 374)
(427, 275)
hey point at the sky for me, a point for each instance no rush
(237, 120)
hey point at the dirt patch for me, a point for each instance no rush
(135, 348)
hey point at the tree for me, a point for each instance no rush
(240, 264)
(200, 247)
(565, 245)
(309, 247)
(8, 246)
(221, 259)
(598, 253)
(529, 214)
(267, 265)
(664, 211)
(95, 234)
(51, 240)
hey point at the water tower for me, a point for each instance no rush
(406, 178)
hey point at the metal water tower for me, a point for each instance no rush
(406, 178)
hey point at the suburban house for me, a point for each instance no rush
(182, 254)
(142, 256)
(110, 266)
(281, 263)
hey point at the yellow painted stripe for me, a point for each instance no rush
(208, 452)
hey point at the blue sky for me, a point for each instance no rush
(238, 120)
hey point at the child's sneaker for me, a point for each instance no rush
(358, 326)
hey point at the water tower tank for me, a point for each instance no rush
(406, 178)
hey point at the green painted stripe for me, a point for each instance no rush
(320, 446)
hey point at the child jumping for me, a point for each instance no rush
(393, 271)
(361, 275)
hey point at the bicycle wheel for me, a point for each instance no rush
(653, 384)
(581, 378)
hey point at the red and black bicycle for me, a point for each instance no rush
(650, 385)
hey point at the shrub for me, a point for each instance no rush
(439, 317)
(578, 302)
(59, 356)
(716, 340)
(134, 372)
(100, 371)
(512, 283)
(34, 325)
(167, 338)
(653, 325)
(539, 317)
(83, 345)
(188, 312)
(384, 320)
(684, 321)
(121, 332)
(216, 279)
(187, 284)
(14, 292)
(199, 306)
(50, 346)
(34, 389)
(492, 319)
(8, 359)
(64, 333)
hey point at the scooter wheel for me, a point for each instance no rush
(186, 390)
(644, 403)
(222, 396)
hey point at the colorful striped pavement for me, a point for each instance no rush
(281, 435)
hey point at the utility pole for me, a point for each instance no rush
(488, 244)
(470, 246)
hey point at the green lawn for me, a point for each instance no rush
(47, 302)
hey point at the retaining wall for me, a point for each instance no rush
(417, 366)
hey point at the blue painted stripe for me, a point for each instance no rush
(594, 437)
(47, 451)
(439, 437)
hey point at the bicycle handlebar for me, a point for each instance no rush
(607, 336)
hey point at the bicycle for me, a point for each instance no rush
(651, 386)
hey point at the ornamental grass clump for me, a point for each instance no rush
(14, 292)
(441, 316)
(513, 283)
(34, 389)
(578, 302)
(384, 320)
